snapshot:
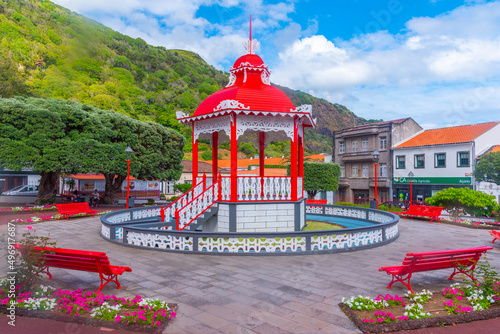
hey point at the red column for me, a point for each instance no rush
(294, 164)
(128, 183)
(262, 160)
(195, 158)
(411, 192)
(376, 197)
(234, 161)
(215, 157)
(301, 165)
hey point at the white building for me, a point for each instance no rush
(488, 187)
(440, 158)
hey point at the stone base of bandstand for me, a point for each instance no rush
(269, 216)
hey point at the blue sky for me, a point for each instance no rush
(437, 61)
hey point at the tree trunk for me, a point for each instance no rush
(47, 189)
(112, 187)
(311, 193)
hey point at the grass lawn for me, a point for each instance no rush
(314, 225)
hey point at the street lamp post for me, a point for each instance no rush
(410, 175)
(129, 152)
(376, 155)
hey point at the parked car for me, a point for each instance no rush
(22, 190)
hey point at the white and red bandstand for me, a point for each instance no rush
(247, 109)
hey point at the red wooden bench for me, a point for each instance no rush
(316, 201)
(432, 212)
(80, 260)
(461, 260)
(496, 235)
(69, 209)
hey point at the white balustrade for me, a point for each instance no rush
(199, 204)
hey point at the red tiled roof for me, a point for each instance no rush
(451, 135)
(495, 148)
(203, 167)
(267, 172)
(268, 161)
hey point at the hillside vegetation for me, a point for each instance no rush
(49, 51)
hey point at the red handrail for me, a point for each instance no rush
(177, 214)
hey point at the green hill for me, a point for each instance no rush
(49, 51)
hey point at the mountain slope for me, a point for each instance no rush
(49, 51)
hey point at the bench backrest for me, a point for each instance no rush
(495, 233)
(432, 211)
(76, 259)
(424, 261)
(72, 207)
(316, 201)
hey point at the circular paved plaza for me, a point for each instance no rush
(269, 294)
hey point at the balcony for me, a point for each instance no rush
(382, 182)
(359, 157)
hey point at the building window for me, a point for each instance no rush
(366, 170)
(440, 160)
(341, 147)
(355, 169)
(400, 162)
(383, 170)
(419, 161)
(383, 143)
(354, 146)
(463, 159)
(342, 171)
(364, 144)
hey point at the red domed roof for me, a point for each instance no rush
(248, 89)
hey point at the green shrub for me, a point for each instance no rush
(207, 155)
(458, 201)
(346, 204)
(151, 201)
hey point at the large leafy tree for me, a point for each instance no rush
(53, 136)
(488, 168)
(463, 200)
(320, 176)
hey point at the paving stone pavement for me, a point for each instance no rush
(267, 294)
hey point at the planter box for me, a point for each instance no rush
(89, 321)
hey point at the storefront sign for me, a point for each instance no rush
(434, 180)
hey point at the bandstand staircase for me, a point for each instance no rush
(193, 208)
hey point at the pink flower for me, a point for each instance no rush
(29, 227)
(118, 318)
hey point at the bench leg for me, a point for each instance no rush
(402, 279)
(105, 279)
(45, 269)
(494, 240)
(468, 272)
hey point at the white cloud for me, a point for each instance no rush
(432, 71)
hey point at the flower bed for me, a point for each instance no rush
(456, 304)
(27, 208)
(472, 224)
(49, 217)
(136, 314)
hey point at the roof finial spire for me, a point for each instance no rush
(251, 46)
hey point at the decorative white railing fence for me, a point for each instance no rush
(120, 227)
